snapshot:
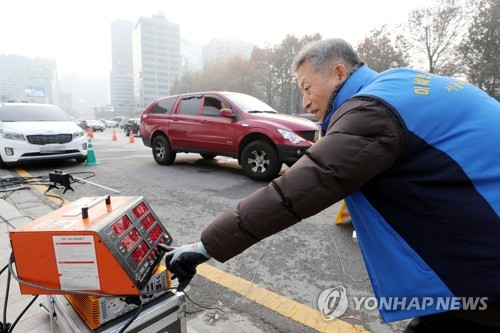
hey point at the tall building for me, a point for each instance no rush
(28, 79)
(220, 50)
(121, 76)
(156, 58)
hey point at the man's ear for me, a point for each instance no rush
(341, 72)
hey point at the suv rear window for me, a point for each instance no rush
(190, 106)
(12, 113)
(164, 106)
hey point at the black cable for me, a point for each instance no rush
(3, 269)
(20, 213)
(76, 180)
(92, 174)
(6, 325)
(22, 313)
(242, 295)
(203, 306)
(44, 181)
(34, 180)
(131, 320)
(8, 222)
(12, 181)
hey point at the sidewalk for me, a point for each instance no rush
(18, 207)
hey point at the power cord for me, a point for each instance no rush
(4, 325)
(22, 313)
(340, 259)
(4, 328)
(136, 301)
(254, 274)
(16, 217)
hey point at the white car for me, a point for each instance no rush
(110, 123)
(32, 132)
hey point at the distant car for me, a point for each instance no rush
(96, 125)
(134, 125)
(228, 124)
(110, 123)
(122, 122)
(119, 119)
(33, 132)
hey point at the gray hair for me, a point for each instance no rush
(322, 53)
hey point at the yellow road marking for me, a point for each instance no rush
(286, 307)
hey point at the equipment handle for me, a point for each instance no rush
(85, 209)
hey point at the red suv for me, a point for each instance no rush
(228, 124)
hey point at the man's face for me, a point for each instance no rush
(316, 87)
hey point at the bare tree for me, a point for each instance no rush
(479, 49)
(435, 30)
(381, 50)
(185, 84)
(271, 75)
(262, 75)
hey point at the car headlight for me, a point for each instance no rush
(292, 137)
(13, 136)
(78, 134)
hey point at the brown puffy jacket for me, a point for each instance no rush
(364, 138)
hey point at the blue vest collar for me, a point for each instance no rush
(360, 78)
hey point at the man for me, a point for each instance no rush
(417, 159)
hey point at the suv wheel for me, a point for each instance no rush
(259, 161)
(162, 152)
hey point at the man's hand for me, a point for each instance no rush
(182, 261)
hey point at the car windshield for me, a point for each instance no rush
(26, 112)
(249, 103)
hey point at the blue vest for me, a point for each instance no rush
(429, 227)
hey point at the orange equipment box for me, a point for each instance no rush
(90, 246)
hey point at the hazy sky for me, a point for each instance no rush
(77, 33)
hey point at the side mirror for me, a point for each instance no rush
(227, 113)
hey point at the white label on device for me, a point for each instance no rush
(76, 262)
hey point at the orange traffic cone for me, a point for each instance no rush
(114, 135)
(131, 135)
(90, 133)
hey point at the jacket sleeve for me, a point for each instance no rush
(364, 138)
